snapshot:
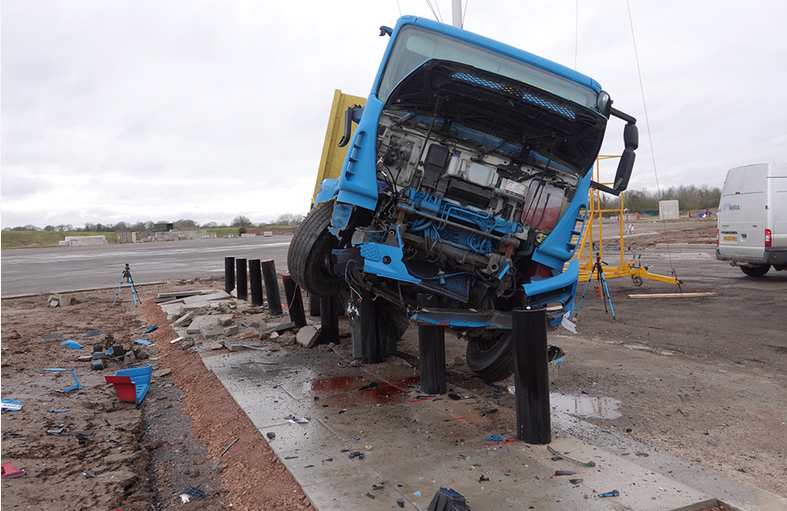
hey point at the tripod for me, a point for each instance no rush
(134, 294)
(603, 282)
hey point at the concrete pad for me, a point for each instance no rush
(415, 444)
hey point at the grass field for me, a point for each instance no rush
(33, 239)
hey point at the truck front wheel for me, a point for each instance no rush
(309, 257)
(491, 359)
(755, 271)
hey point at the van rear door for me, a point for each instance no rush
(779, 230)
(742, 215)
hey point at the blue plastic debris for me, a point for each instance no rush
(73, 387)
(143, 341)
(71, 345)
(495, 438)
(11, 404)
(54, 369)
(613, 493)
(150, 329)
(131, 385)
(92, 335)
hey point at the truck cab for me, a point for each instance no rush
(466, 179)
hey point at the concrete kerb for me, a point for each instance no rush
(84, 290)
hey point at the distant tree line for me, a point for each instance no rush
(689, 197)
(287, 219)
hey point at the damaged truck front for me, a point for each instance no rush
(466, 179)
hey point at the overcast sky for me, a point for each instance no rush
(161, 110)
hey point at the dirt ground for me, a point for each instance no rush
(703, 379)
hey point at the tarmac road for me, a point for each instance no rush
(64, 269)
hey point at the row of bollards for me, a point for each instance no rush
(531, 366)
(235, 278)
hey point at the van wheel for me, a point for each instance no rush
(755, 271)
(492, 359)
(309, 257)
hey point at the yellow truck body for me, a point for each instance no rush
(333, 155)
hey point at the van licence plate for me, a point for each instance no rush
(730, 238)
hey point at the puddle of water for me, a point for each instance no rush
(586, 406)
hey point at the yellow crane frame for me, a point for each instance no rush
(587, 261)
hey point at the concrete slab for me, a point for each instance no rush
(413, 444)
(204, 320)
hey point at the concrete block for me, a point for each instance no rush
(182, 320)
(224, 319)
(231, 330)
(66, 300)
(198, 321)
(308, 336)
(98, 365)
(209, 331)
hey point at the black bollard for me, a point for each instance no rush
(431, 350)
(531, 375)
(243, 286)
(371, 349)
(329, 319)
(255, 281)
(229, 274)
(271, 287)
(292, 292)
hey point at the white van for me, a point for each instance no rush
(752, 224)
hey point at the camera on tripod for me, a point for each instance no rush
(127, 277)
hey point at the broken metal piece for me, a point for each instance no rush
(563, 456)
(228, 447)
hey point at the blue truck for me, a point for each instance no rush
(466, 179)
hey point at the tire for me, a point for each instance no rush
(755, 271)
(309, 257)
(492, 359)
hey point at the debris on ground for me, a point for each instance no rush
(9, 472)
(448, 500)
(575, 462)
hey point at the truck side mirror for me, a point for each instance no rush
(626, 163)
(352, 115)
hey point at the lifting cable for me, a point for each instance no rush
(650, 139)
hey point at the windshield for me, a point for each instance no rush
(414, 45)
